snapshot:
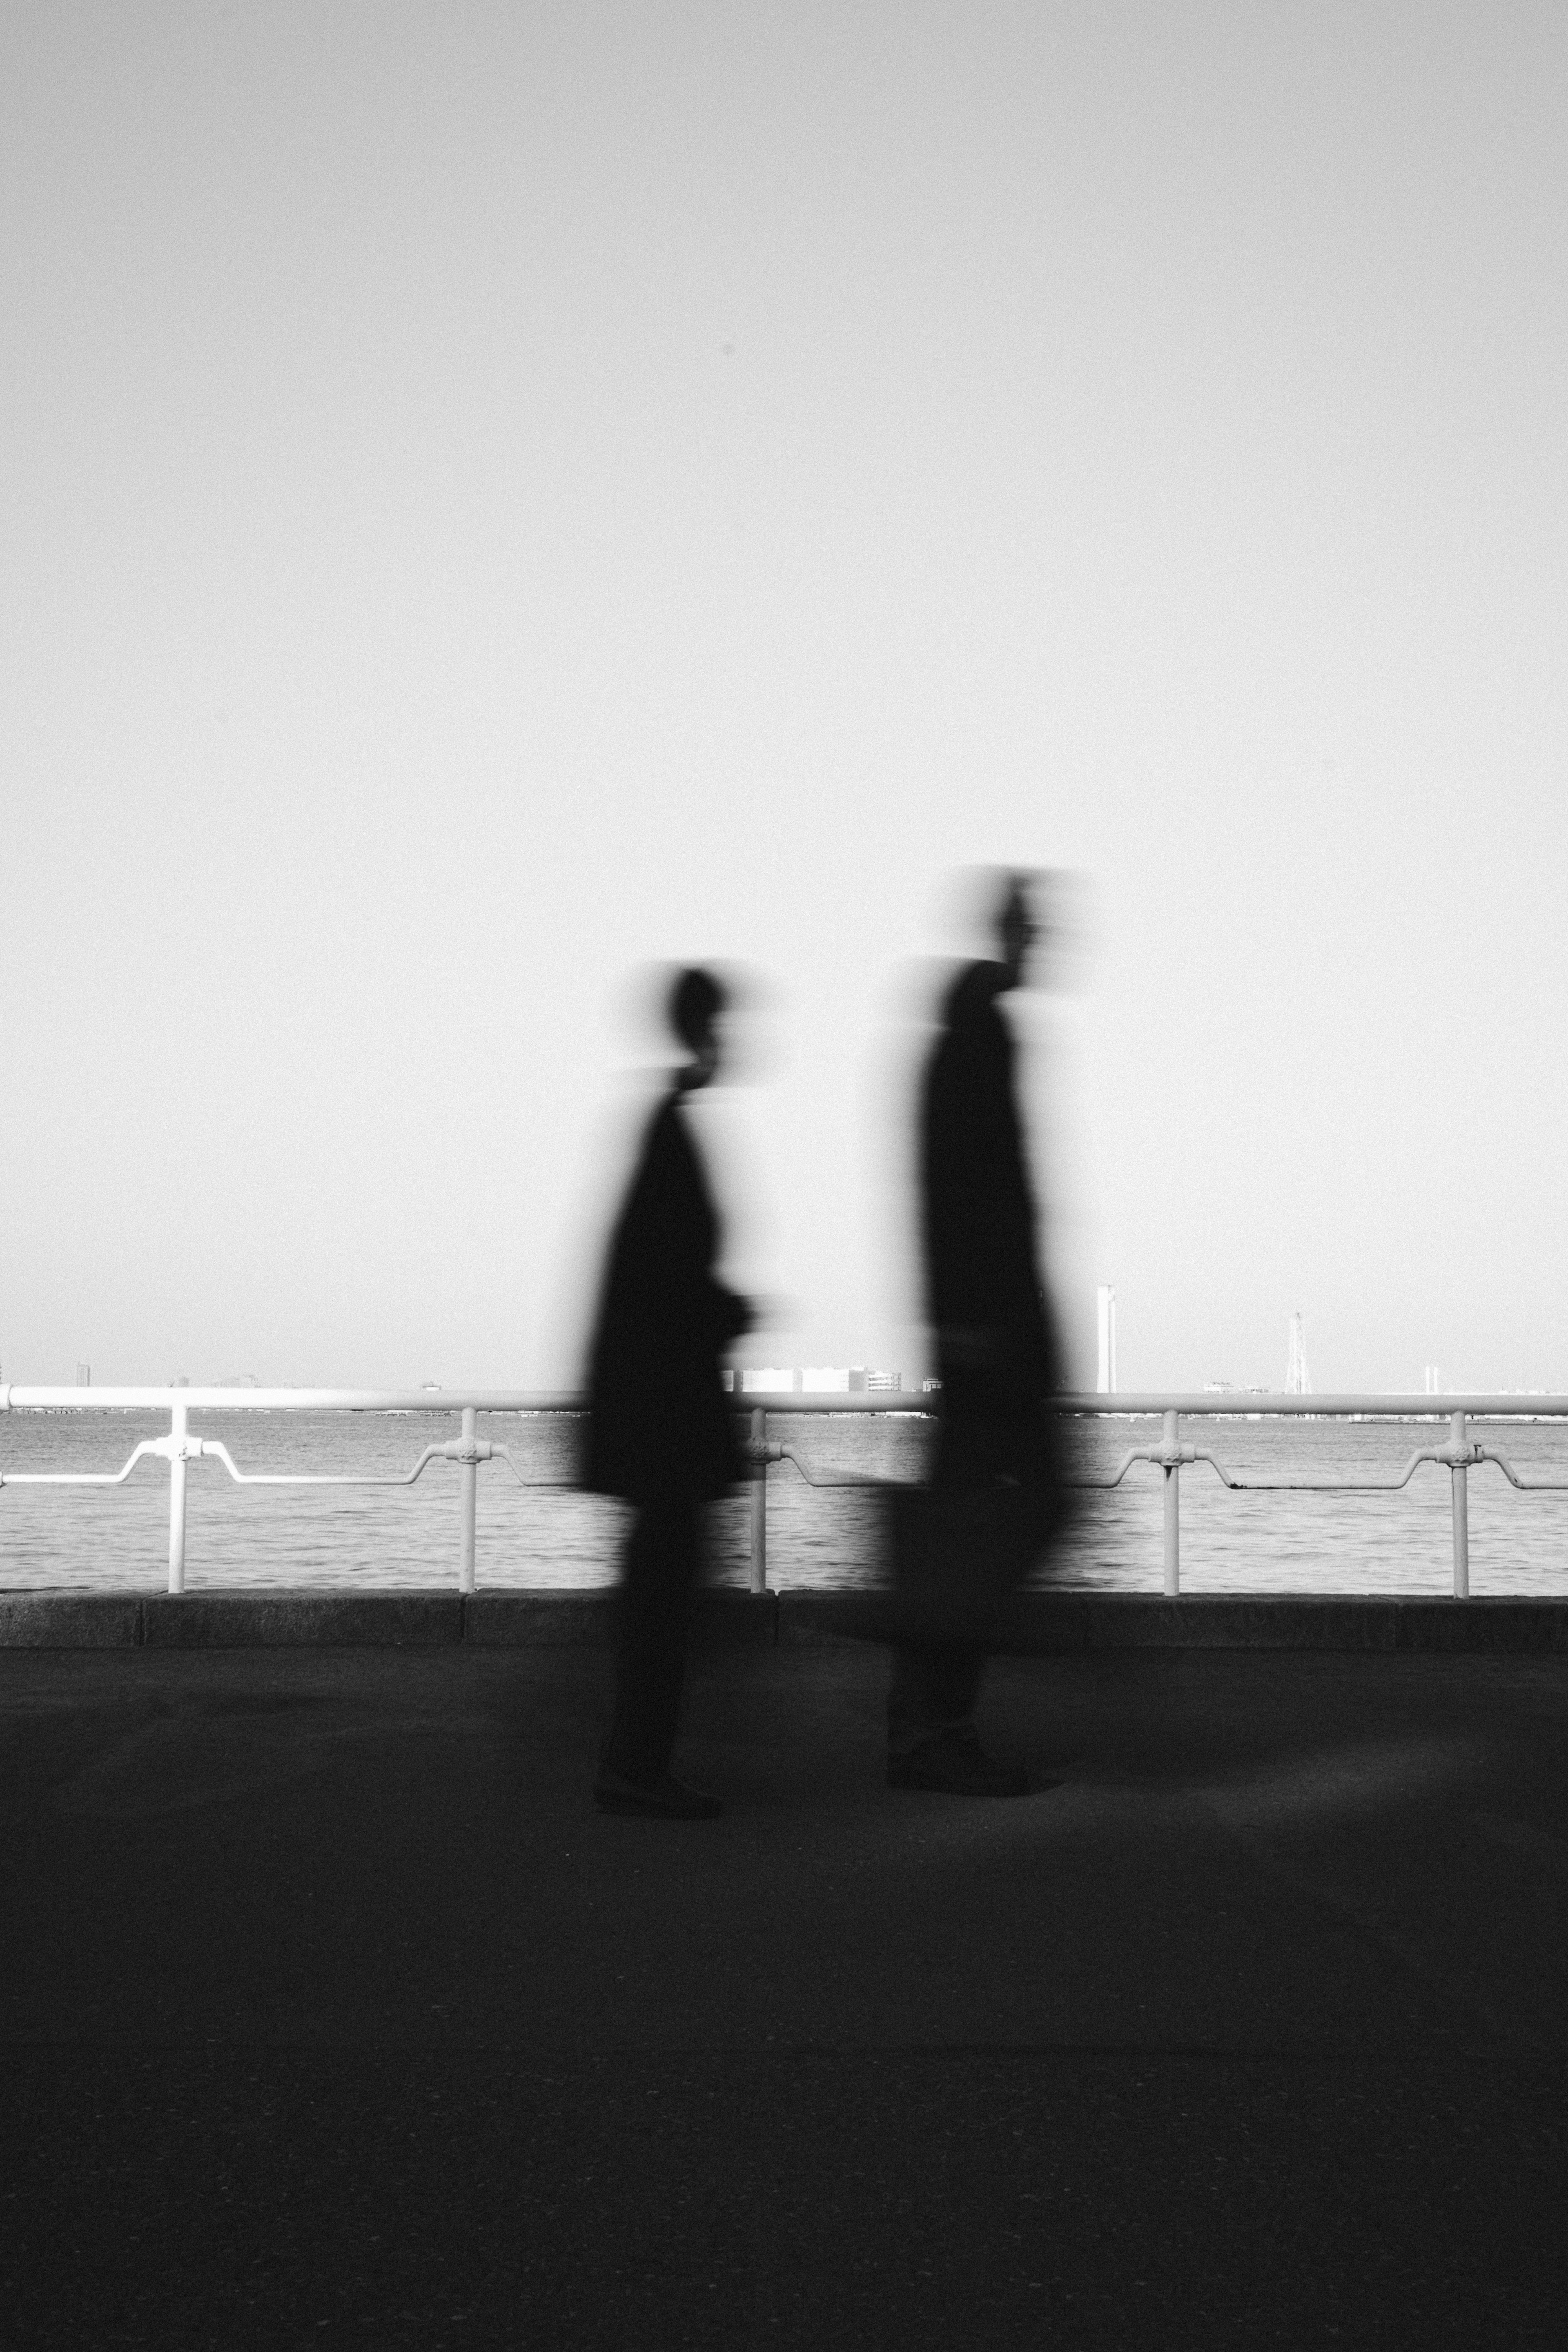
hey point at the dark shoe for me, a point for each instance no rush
(663, 1801)
(954, 1764)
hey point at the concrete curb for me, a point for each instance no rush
(69, 1620)
(280, 1618)
(284, 1620)
(1060, 1623)
(724, 1620)
(1039, 1624)
(542, 1620)
(1329, 1622)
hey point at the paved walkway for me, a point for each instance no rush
(333, 2013)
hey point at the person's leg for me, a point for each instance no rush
(931, 1740)
(933, 1688)
(663, 1555)
(935, 1685)
(657, 1575)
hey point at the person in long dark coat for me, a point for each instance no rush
(661, 1431)
(995, 1338)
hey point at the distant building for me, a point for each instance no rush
(1297, 1379)
(817, 1380)
(84, 1376)
(1105, 1377)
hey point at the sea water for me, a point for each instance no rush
(547, 1534)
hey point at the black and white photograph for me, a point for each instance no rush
(783, 1298)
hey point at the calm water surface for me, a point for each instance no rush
(117, 1538)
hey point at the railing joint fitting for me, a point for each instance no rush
(181, 1448)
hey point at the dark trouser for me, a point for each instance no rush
(989, 1429)
(935, 1688)
(657, 1571)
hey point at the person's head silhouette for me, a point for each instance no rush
(697, 1002)
(1017, 927)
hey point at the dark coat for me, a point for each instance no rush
(659, 1420)
(984, 1296)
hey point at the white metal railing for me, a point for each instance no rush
(467, 1449)
(1459, 1454)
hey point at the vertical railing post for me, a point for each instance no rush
(1172, 1449)
(759, 1575)
(1459, 1472)
(468, 1501)
(177, 1424)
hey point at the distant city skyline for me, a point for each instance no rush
(750, 1376)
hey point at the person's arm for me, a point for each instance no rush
(733, 1315)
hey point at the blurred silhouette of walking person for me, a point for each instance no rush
(660, 1430)
(966, 1539)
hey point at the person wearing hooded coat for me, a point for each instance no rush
(995, 1345)
(660, 1432)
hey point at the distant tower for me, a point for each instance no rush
(84, 1376)
(1105, 1384)
(1432, 1383)
(1297, 1379)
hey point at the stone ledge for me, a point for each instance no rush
(548, 1620)
(286, 1620)
(1056, 1624)
(1064, 1622)
(1040, 1624)
(1508, 1623)
(722, 1619)
(69, 1620)
(727, 1618)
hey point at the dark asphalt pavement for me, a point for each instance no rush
(332, 2012)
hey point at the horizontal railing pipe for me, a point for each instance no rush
(1150, 1405)
(15, 1396)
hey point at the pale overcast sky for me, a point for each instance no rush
(496, 493)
